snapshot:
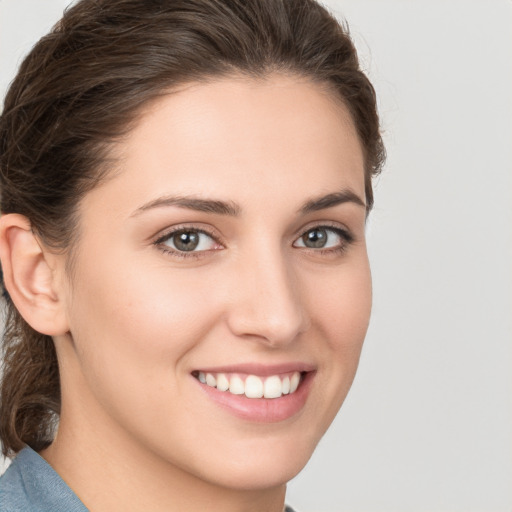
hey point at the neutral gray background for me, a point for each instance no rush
(428, 423)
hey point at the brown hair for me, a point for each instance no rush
(82, 86)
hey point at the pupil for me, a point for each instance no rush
(315, 238)
(186, 240)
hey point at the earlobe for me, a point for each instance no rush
(29, 277)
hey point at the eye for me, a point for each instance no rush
(188, 240)
(323, 237)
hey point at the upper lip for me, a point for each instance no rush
(263, 370)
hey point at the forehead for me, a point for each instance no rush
(229, 136)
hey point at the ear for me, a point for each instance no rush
(31, 276)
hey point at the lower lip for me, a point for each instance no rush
(262, 410)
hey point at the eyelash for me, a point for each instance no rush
(345, 235)
(184, 254)
(346, 239)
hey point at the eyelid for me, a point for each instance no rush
(341, 231)
(187, 226)
(323, 224)
(162, 236)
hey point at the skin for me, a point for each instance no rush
(135, 320)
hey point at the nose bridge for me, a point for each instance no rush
(268, 303)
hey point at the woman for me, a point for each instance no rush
(184, 193)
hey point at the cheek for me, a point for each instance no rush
(134, 332)
(342, 303)
(341, 307)
(139, 324)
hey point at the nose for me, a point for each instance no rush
(266, 301)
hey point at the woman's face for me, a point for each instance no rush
(228, 247)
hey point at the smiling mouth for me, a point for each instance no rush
(252, 386)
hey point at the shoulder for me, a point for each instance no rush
(30, 484)
(13, 495)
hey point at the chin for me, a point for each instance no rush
(258, 475)
(261, 463)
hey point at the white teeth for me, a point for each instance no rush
(222, 382)
(254, 386)
(286, 385)
(236, 386)
(211, 380)
(294, 382)
(273, 387)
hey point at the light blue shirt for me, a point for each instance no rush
(30, 484)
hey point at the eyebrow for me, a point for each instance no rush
(193, 203)
(330, 200)
(232, 209)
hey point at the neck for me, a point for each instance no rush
(109, 470)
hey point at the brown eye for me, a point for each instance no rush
(315, 238)
(324, 237)
(185, 240)
(188, 240)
